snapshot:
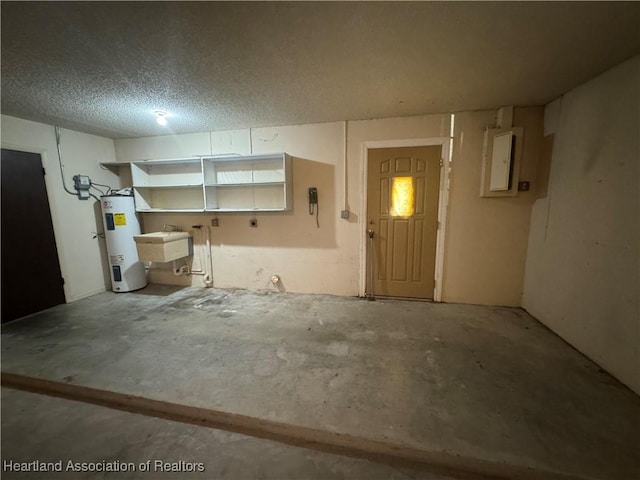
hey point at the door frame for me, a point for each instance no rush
(443, 201)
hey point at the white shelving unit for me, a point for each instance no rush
(215, 184)
(255, 183)
(168, 185)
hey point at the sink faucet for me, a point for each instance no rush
(171, 228)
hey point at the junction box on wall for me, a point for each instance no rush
(82, 184)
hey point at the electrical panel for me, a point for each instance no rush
(501, 161)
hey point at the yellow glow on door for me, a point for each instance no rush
(402, 199)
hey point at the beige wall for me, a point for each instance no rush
(485, 243)
(307, 259)
(583, 264)
(82, 257)
(487, 237)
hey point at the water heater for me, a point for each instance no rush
(120, 225)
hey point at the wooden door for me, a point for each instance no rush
(402, 210)
(31, 279)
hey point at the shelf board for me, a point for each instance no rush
(241, 210)
(188, 185)
(245, 158)
(114, 166)
(248, 184)
(175, 161)
(170, 210)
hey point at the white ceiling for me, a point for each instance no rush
(104, 67)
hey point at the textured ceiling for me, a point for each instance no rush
(103, 67)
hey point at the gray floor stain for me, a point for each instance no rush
(338, 349)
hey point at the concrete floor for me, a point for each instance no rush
(485, 383)
(51, 429)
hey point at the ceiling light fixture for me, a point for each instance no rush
(161, 117)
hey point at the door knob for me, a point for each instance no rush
(370, 233)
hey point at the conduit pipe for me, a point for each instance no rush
(64, 184)
(345, 206)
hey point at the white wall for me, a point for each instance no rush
(582, 264)
(75, 222)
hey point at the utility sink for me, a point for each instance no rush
(163, 247)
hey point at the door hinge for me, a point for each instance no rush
(44, 171)
(62, 278)
(441, 162)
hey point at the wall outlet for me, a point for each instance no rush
(214, 222)
(253, 222)
(523, 186)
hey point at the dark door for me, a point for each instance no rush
(31, 279)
